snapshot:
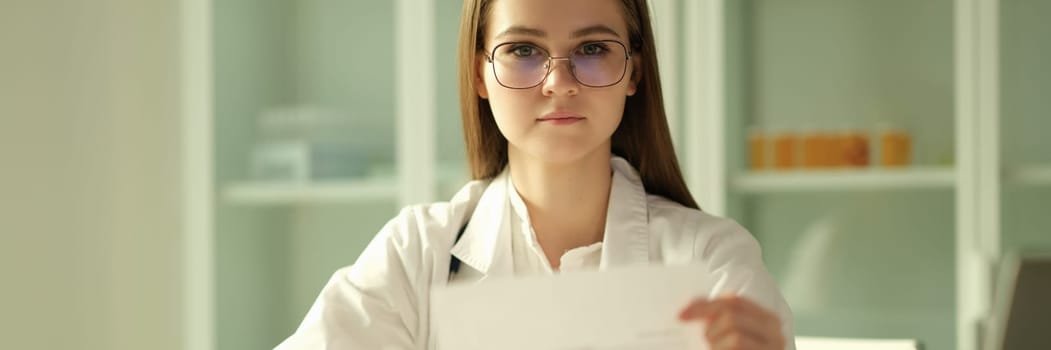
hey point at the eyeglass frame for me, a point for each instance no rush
(551, 65)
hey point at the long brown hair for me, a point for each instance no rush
(642, 138)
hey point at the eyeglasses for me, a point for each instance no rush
(594, 64)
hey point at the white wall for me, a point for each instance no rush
(89, 179)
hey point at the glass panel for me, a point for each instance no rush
(304, 94)
(823, 66)
(1026, 120)
(877, 76)
(864, 265)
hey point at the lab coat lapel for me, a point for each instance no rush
(627, 239)
(485, 245)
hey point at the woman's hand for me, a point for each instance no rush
(733, 322)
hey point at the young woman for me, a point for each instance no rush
(574, 170)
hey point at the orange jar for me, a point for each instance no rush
(758, 150)
(854, 149)
(785, 149)
(896, 148)
(837, 147)
(817, 147)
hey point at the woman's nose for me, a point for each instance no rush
(560, 80)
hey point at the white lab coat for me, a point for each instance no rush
(382, 300)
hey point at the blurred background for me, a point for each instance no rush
(188, 174)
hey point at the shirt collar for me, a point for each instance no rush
(485, 244)
(517, 204)
(627, 239)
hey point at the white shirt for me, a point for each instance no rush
(529, 257)
(382, 301)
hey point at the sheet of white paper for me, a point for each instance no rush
(618, 309)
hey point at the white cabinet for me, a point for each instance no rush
(875, 251)
(319, 120)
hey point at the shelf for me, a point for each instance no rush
(845, 180)
(355, 190)
(352, 190)
(1030, 175)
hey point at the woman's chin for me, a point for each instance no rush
(566, 153)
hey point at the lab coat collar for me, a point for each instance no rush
(486, 245)
(627, 239)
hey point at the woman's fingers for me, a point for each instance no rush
(726, 323)
(759, 332)
(736, 321)
(702, 308)
(736, 341)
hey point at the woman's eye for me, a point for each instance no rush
(593, 49)
(523, 51)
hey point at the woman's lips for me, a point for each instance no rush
(560, 118)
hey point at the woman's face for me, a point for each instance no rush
(560, 119)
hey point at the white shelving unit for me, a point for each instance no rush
(242, 227)
(966, 31)
(845, 180)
